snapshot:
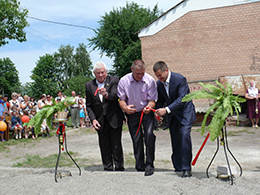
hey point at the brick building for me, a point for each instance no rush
(204, 40)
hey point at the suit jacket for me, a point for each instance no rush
(109, 107)
(178, 88)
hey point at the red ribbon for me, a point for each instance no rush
(141, 118)
(202, 146)
(96, 91)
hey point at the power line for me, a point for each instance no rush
(35, 36)
(74, 25)
(61, 23)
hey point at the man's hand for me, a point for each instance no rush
(161, 111)
(146, 110)
(96, 124)
(157, 117)
(130, 109)
(103, 91)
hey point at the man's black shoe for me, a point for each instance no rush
(186, 174)
(148, 172)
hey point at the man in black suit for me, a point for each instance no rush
(106, 116)
(172, 87)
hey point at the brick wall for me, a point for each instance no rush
(206, 44)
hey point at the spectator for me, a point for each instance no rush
(33, 104)
(59, 95)
(14, 104)
(252, 96)
(82, 111)
(17, 125)
(75, 111)
(2, 117)
(48, 100)
(6, 102)
(32, 114)
(26, 133)
(41, 102)
(25, 104)
(44, 127)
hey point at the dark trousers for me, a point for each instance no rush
(181, 145)
(111, 147)
(145, 135)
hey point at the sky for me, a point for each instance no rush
(46, 38)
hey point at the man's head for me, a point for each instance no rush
(161, 70)
(138, 69)
(73, 93)
(100, 71)
(252, 83)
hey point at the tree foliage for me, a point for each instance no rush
(72, 64)
(9, 79)
(116, 36)
(44, 76)
(12, 21)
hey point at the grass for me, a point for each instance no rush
(36, 161)
(237, 133)
(129, 159)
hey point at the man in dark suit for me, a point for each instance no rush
(172, 87)
(106, 116)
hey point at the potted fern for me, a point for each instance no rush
(225, 104)
(48, 111)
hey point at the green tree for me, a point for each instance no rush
(77, 84)
(12, 21)
(9, 77)
(116, 36)
(44, 76)
(83, 62)
(72, 64)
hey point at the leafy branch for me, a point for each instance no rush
(47, 112)
(225, 104)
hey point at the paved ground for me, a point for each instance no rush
(244, 143)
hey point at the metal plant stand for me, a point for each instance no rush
(224, 142)
(61, 136)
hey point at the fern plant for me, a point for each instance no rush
(225, 104)
(47, 112)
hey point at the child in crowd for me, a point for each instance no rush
(17, 125)
(82, 111)
(32, 114)
(44, 127)
(26, 130)
(2, 117)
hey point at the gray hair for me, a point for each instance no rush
(99, 65)
(160, 65)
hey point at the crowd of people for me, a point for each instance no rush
(19, 106)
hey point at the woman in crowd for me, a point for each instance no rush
(14, 103)
(252, 96)
(41, 102)
(33, 104)
(48, 100)
(25, 104)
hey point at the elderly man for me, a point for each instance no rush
(137, 92)
(172, 87)
(74, 110)
(106, 116)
